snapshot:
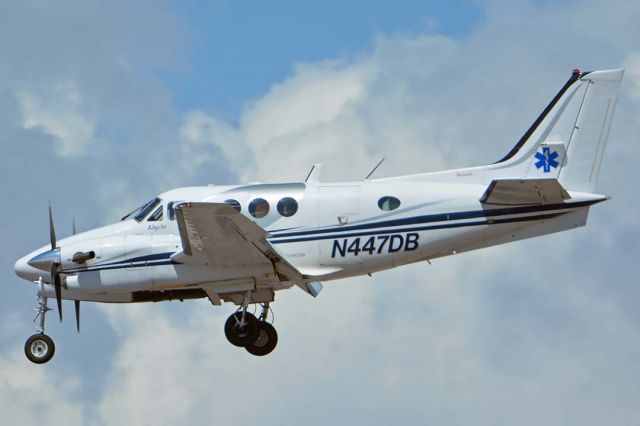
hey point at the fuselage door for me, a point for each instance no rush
(338, 209)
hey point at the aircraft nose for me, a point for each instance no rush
(26, 271)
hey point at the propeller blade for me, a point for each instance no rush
(77, 303)
(55, 274)
(52, 231)
(73, 222)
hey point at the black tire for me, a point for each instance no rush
(266, 341)
(39, 348)
(241, 336)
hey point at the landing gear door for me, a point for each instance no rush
(338, 208)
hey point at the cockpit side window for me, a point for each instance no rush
(170, 211)
(141, 212)
(156, 216)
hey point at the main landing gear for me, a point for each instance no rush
(256, 335)
(40, 348)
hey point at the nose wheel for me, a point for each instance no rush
(40, 348)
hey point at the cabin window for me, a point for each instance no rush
(236, 205)
(171, 211)
(156, 216)
(258, 208)
(287, 207)
(141, 212)
(388, 203)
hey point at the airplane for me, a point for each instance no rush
(243, 243)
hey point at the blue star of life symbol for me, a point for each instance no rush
(546, 159)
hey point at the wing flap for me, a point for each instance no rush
(524, 191)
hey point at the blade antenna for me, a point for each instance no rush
(375, 168)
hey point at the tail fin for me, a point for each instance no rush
(568, 139)
(588, 140)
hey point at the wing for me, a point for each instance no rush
(214, 234)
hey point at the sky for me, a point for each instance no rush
(105, 104)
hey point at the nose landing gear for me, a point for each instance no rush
(40, 348)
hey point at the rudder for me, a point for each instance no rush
(586, 145)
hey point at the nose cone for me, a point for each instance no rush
(43, 261)
(26, 271)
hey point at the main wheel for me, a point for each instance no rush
(266, 341)
(39, 348)
(240, 334)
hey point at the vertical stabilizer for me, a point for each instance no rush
(588, 140)
(567, 141)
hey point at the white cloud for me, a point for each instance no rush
(59, 112)
(33, 395)
(344, 113)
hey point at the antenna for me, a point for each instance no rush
(314, 174)
(374, 169)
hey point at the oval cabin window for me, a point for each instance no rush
(235, 204)
(287, 206)
(388, 203)
(258, 208)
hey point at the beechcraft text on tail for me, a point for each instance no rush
(243, 243)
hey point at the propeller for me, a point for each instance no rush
(55, 266)
(50, 260)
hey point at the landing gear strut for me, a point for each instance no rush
(40, 348)
(241, 328)
(257, 336)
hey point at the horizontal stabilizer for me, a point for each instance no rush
(524, 191)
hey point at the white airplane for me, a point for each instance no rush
(242, 243)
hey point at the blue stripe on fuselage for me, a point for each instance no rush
(440, 217)
(163, 258)
(419, 228)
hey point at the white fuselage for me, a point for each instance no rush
(339, 230)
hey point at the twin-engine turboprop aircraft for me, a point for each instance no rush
(242, 243)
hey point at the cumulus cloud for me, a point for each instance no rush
(359, 110)
(32, 396)
(59, 112)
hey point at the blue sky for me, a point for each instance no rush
(238, 49)
(104, 104)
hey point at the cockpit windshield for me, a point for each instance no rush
(141, 212)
